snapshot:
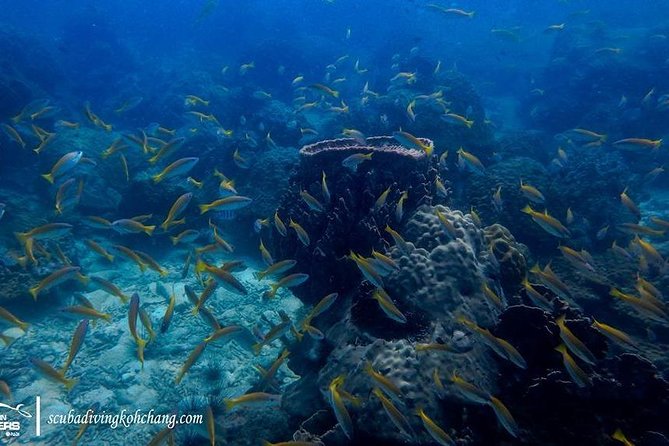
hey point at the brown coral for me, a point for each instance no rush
(509, 255)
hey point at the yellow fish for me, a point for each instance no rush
(547, 222)
(469, 160)
(531, 193)
(408, 140)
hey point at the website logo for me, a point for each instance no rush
(11, 427)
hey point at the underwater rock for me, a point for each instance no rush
(618, 382)
(527, 143)
(267, 178)
(506, 175)
(627, 392)
(591, 184)
(13, 283)
(461, 97)
(29, 71)
(531, 331)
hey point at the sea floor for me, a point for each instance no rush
(108, 370)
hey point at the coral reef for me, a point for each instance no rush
(507, 173)
(510, 255)
(441, 278)
(627, 392)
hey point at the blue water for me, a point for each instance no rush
(559, 105)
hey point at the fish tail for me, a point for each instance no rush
(109, 257)
(8, 340)
(22, 237)
(368, 367)
(229, 404)
(66, 366)
(618, 435)
(157, 178)
(149, 230)
(200, 266)
(34, 291)
(48, 177)
(265, 443)
(174, 239)
(107, 317)
(141, 343)
(269, 294)
(23, 261)
(24, 326)
(204, 208)
(527, 210)
(297, 334)
(257, 347)
(70, 383)
(195, 311)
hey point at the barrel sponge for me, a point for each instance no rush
(379, 144)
